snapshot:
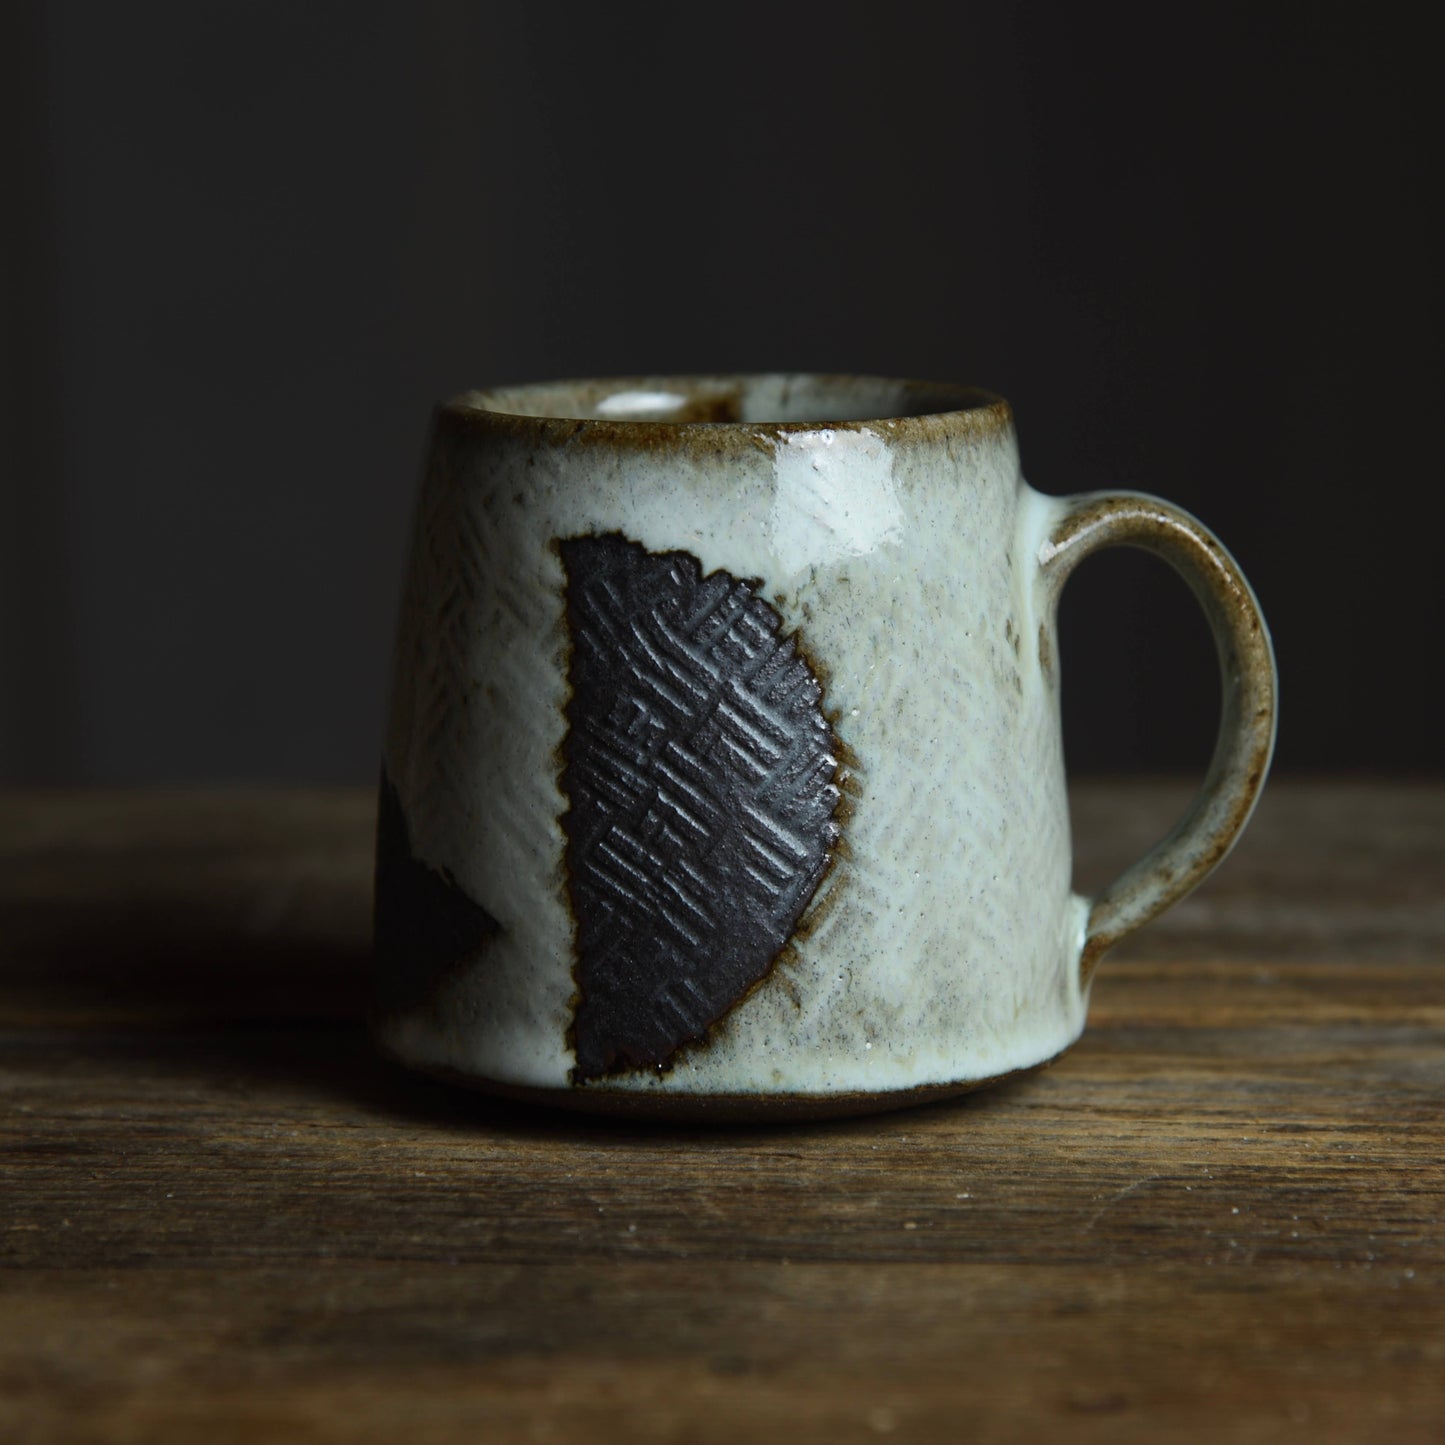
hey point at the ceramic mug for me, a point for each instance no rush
(724, 773)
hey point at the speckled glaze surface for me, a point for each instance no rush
(724, 761)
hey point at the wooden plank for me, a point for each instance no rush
(221, 1216)
(245, 1147)
(724, 1352)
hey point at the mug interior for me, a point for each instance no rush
(777, 399)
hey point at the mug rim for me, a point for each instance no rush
(711, 408)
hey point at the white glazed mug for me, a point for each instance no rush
(724, 773)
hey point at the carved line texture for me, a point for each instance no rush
(701, 774)
(460, 580)
(449, 563)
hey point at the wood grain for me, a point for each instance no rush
(222, 1217)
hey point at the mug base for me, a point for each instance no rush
(656, 1105)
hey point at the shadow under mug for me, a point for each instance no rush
(724, 774)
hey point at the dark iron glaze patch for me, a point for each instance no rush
(701, 776)
(425, 926)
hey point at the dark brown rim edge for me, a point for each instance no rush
(978, 412)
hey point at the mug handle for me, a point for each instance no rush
(1080, 526)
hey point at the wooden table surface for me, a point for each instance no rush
(222, 1218)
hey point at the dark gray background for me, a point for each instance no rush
(251, 243)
